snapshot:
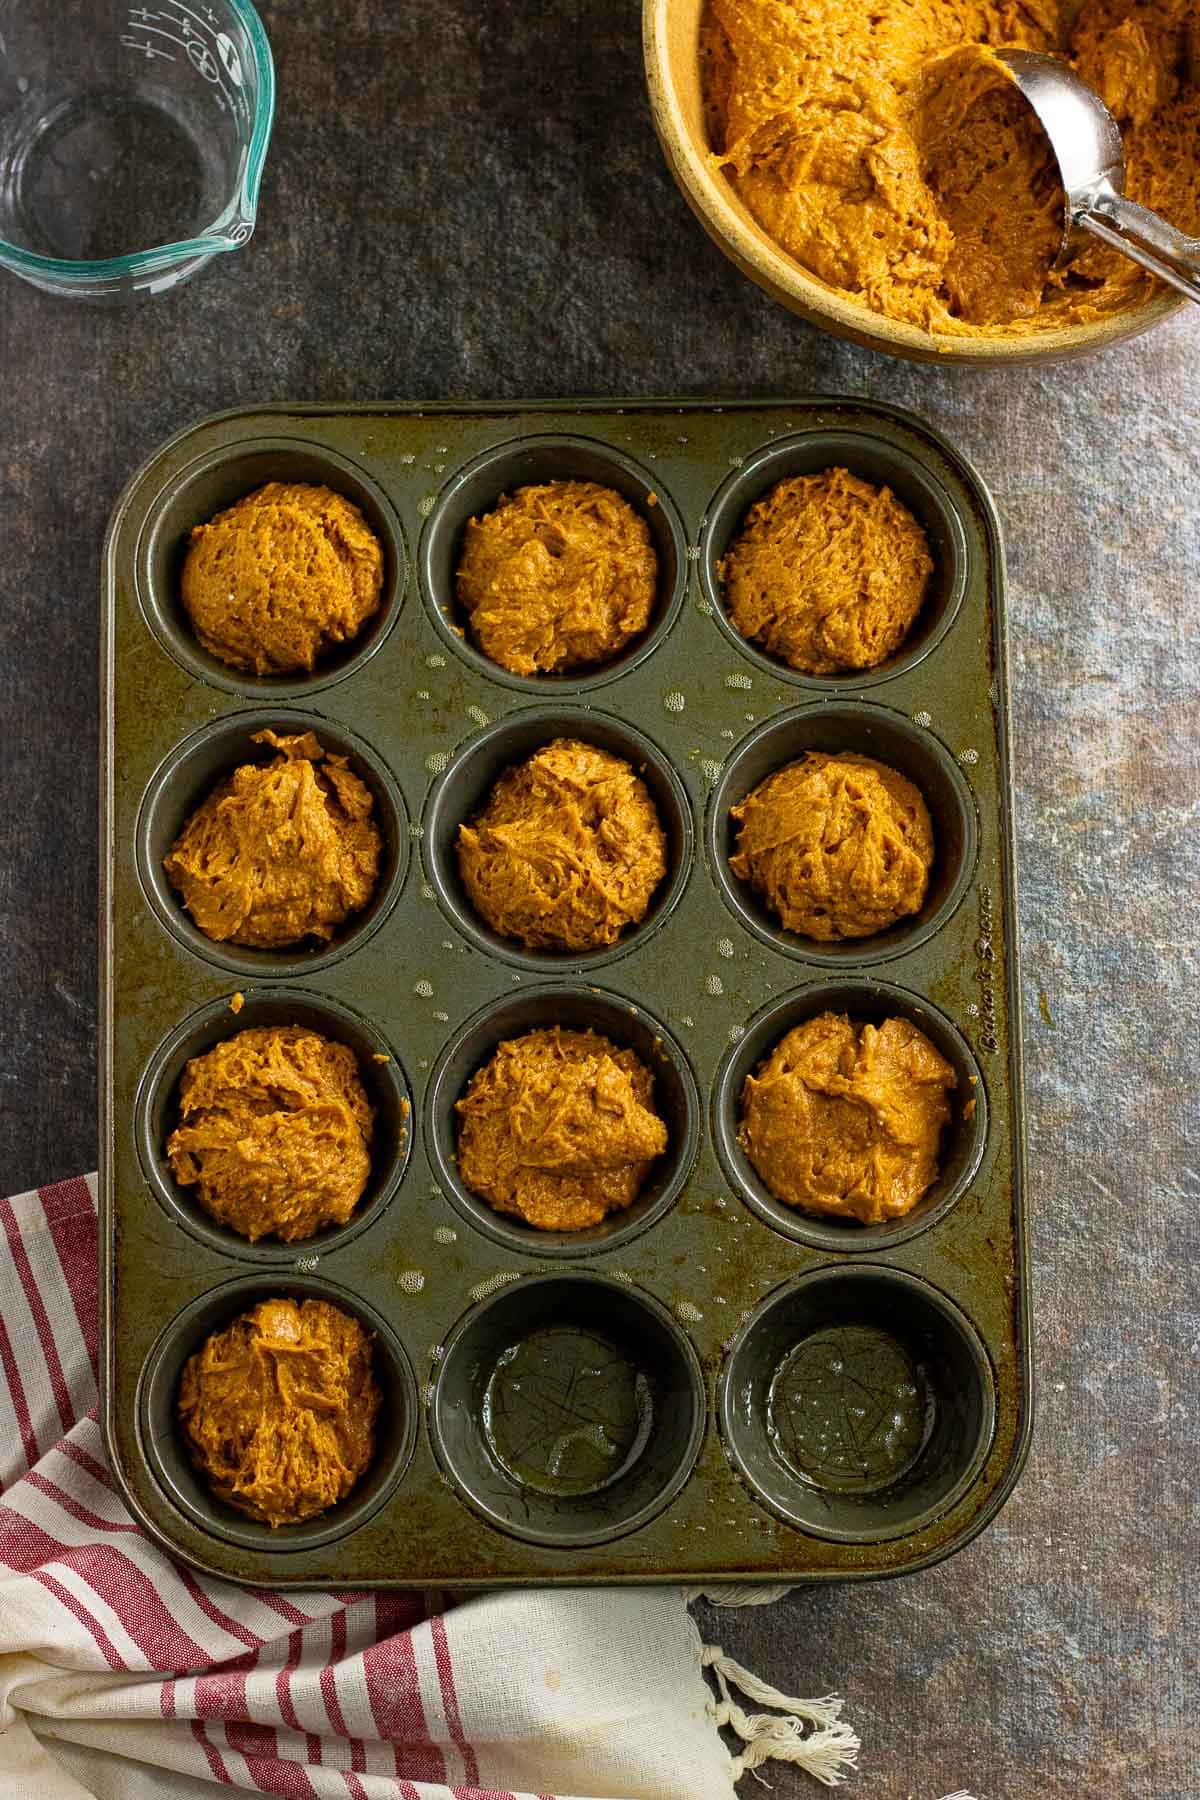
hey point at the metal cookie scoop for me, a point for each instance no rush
(1087, 143)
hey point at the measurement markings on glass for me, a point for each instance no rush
(213, 62)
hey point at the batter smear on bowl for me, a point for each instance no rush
(274, 1133)
(281, 851)
(846, 1119)
(566, 852)
(559, 1128)
(827, 573)
(557, 577)
(278, 1411)
(281, 578)
(837, 846)
(891, 156)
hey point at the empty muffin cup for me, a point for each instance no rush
(887, 737)
(166, 1452)
(857, 1403)
(478, 487)
(883, 465)
(156, 1113)
(568, 1409)
(186, 778)
(866, 1003)
(208, 486)
(676, 1101)
(461, 791)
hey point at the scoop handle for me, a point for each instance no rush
(1144, 236)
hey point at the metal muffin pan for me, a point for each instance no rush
(698, 1322)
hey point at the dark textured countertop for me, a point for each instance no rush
(467, 200)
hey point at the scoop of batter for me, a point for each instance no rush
(567, 851)
(557, 577)
(278, 1411)
(558, 1127)
(915, 184)
(847, 1119)
(282, 577)
(281, 851)
(274, 1133)
(992, 172)
(827, 573)
(838, 846)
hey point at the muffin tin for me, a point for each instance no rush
(709, 1385)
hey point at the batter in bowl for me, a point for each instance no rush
(898, 164)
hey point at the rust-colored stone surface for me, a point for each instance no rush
(1057, 1655)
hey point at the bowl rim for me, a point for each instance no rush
(745, 243)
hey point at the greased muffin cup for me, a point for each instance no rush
(531, 461)
(613, 1404)
(568, 1409)
(676, 1101)
(214, 482)
(167, 1458)
(858, 1403)
(466, 784)
(156, 1113)
(866, 729)
(201, 763)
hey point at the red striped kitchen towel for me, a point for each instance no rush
(126, 1677)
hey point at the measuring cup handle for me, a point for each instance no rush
(1144, 236)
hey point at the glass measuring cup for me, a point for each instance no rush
(132, 139)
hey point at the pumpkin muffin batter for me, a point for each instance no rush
(993, 175)
(281, 851)
(278, 1411)
(838, 846)
(847, 1119)
(557, 577)
(282, 577)
(567, 851)
(558, 1128)
(274, 1132)
(901, 167)
(827, 573)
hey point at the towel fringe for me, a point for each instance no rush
(825, 1750)
(732, 1593)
